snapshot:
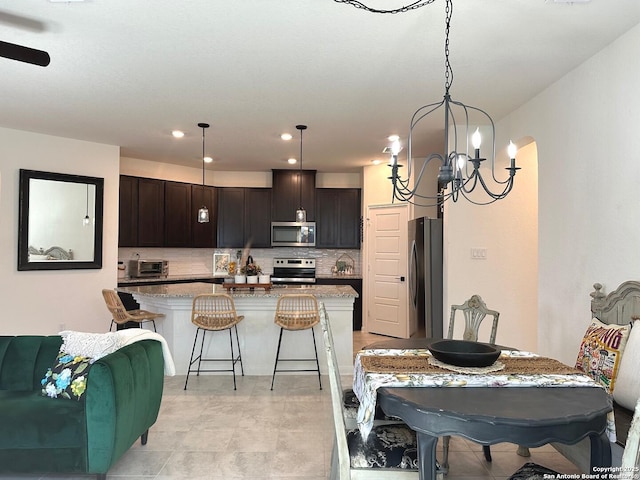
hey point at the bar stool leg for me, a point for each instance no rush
(277, 355)
(233, 360)
(195, 340)
(204, 333)
(316, 350)
(239, 352)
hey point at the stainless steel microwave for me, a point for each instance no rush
(148, 268)
(293, 234)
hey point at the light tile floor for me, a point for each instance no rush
(211, 432)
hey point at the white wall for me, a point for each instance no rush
(39, 302)
(586, 131)
(177, 173)
(507, 279)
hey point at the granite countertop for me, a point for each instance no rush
(354, 276)
(206, 277)
(170, 278)
(191, 289)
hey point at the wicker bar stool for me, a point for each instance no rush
(297, 312)
(121, 316)
(214, 312)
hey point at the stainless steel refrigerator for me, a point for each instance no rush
(425, 276)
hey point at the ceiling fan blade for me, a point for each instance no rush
(24, 54)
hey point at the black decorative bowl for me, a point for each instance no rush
(463, 353)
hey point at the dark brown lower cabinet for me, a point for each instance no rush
(356, 284)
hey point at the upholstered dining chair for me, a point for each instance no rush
(474, 311)
(296, 312)
(121, 316)
(214, 312)
(390, 451)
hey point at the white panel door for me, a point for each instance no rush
(387, 298)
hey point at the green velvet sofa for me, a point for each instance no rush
(39, 434)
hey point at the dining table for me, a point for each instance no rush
(530, 410)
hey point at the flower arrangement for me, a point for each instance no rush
(251, 269)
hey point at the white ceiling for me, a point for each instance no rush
(128, 72)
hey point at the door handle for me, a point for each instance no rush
(400, 278)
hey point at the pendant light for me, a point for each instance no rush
(301, 213)
(203, 213)
(86, 220)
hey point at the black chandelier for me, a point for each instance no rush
(459, 171)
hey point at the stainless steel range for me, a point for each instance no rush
(294, 270)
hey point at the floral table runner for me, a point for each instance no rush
(403, 368)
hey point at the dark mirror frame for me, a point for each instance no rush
(23, 222)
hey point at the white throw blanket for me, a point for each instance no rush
(97, 345)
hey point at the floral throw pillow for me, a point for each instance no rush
(601, 350)
(67, 378)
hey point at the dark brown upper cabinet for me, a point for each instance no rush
(288, 196)
(177, 214)
(128, 212)
(204, 235)
(244, 217)
(150, 212)
(338, 217)
(159, 213)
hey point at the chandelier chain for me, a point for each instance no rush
(459, 170)
(448, 71)
(403, 9)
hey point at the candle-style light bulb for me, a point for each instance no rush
(512, 149)
(395, 147)
(476, 139)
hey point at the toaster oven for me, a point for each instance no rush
(148, 268)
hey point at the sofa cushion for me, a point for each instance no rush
(627, 389)
(31, 421)
(67, 378)
(601, 350)
(25, 359)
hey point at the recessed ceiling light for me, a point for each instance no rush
(291, 161)
(208, 159)
(377, 161)
(177, 134)
(286, 136)
(393, 138)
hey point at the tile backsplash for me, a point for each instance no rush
(199, 261)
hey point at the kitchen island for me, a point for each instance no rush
(257, 332)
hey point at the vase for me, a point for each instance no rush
(240, 279)
(252, 278)
(264, 278)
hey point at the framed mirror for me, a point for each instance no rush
(59, 221)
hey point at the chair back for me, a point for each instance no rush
(214, 311)
(631, 454)
(474, 311)
(115, 306)
(297, 312)
(344, 462)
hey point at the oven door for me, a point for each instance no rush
(293, 276)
